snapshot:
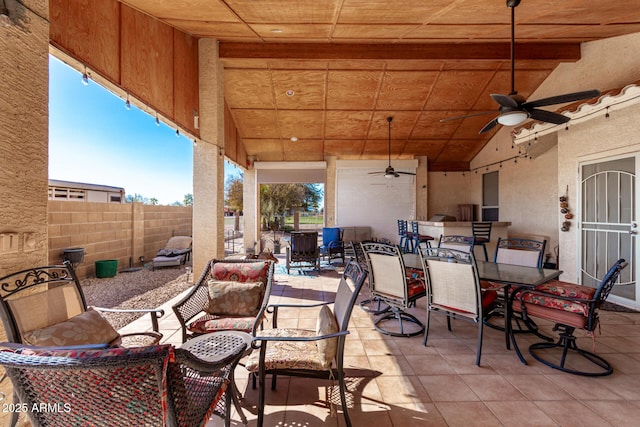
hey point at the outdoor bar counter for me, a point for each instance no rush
(463, 228)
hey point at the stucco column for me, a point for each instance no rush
(208, 160)
(422, 189)
(24, 150)
(330, 192)
(251, 213)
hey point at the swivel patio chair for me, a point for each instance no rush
(393, 285)
(150, 386)
(457, 242)
(515, 251)
(453, 289)
(570, 307)
(298, 352)
(303, 250)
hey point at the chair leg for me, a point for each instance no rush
(426, 328)
(400, 316)
(343, 394)
(261, 385)
(479, 352)
(486, 256)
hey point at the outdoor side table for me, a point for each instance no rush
(216, 346)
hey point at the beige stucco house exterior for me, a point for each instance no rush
(529, 189)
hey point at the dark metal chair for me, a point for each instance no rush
(390, 285)
(403, 234)
(570, 307)
(303, 250)
(156, 385)
(457, 242)
(482, 233)
(296, 352)
(417, 239)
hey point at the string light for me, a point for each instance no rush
(85, 77)
(566, 127)
(127, 103)
(157, 119)
(195, 142)
(607, 115)
(177, 133)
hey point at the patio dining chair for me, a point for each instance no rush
(453, 289)
(332, 244)
(115, 387)
(392, 284)
(482, 233)
(569, 306)
(306, 353)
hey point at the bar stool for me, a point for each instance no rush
(482, 233)
(404, 235)
(417, 238)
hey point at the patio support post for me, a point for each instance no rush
(250, 209)
(422, 189)
(330, 192)
(208, 160)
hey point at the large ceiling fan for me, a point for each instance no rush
(514, 109)
(390, 172)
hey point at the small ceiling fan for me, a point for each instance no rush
(390, 172)
(514, 109)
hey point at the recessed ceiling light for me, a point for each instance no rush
(277, 30)
(293, 138)
(290, 92)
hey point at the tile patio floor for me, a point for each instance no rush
(399, 382)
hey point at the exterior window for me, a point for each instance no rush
(490, 196)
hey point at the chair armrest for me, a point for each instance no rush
(155, 313)
(273, 309)
(17, 346)
(255, 344)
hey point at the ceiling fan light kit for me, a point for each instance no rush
(512, 118)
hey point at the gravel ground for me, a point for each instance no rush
(138, 289)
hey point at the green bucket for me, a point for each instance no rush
(106, 268)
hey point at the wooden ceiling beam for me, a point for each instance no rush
(401, 51)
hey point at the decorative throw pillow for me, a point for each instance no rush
(85, 328)
(327, 324)
(234, 298)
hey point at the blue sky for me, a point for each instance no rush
(94, 139)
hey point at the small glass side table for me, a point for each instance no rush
(217, 346)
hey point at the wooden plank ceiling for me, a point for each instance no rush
(329, 72)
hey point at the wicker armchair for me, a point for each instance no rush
(45, 306)
(156, 385)
(229, 295)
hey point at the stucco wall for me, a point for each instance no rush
(23, 140)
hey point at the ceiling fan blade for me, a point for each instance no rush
(489, 126)
(562, 99)
(504, 100)
(404, 173)
(376, 173)
(548, 116)
(466, 116)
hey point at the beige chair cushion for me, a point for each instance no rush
(327, 324)
(85, 328)
(179, 242)
(234, 298)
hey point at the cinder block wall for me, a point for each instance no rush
(106, 231)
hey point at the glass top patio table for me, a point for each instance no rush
(515, 274)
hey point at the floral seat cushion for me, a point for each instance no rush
(288, 354)
(561, 289)
(212, 323)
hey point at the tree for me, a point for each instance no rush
(137, 198)
(234, 193)
(278, 199)
(153, 201)
(188, 199)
